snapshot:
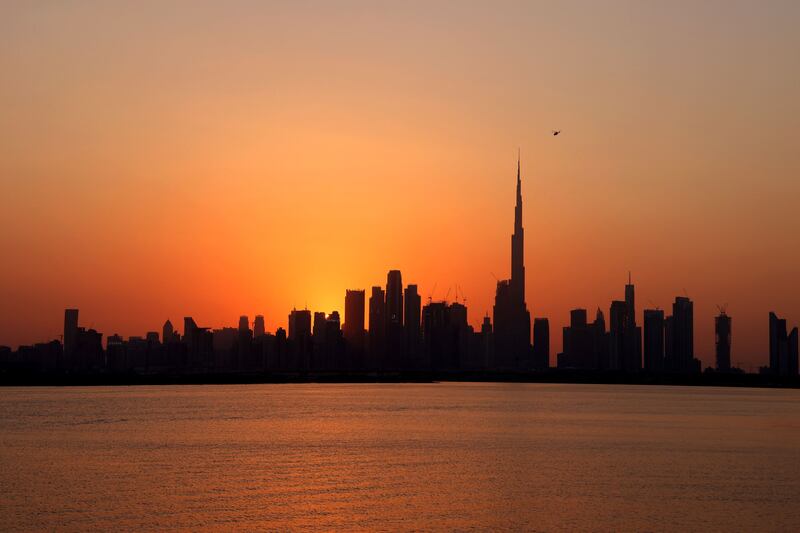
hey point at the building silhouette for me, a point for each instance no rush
(512, 321)
(412, 322)
(446, 336)
(402, 336)
(679, 338)
(394, 342)
(394, 297)
(783, 354)
(625, 337)
(541, 343)
(653, 340)
(722, 341)
(258, 326)
(168, 333)
(377, 328)
(353, 328)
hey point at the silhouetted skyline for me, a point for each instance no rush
(403, 335)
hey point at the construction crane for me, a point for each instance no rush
(430, 294)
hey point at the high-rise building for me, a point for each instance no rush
(625, 337)
(578, 349)
(487, 344)
(299, 324)
(244, 323)
(300, 339)
(541, 343)
(394, 298)
(446, 336)
(630, 303)
(412, 323)
(394, 341)
(722, 341)
(679, 340)
(167, 332)
(70, 333)
(353, 328)
(190, 332)
(783, 353)
(318, 330)
(512, 321)
(377, 326)
(616, 334)
(600, 341)
(653, 340)
(258, 327)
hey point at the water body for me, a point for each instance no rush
(400, 457)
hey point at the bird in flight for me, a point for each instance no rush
(556, 132)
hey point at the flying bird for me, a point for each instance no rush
(556, 132)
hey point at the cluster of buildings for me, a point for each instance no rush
(668, 341)
(402, 335)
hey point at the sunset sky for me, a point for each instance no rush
(213, 159)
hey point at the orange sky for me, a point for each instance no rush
(217, 160)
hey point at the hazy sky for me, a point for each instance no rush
(163, 159)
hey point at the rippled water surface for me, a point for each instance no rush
(399, 457)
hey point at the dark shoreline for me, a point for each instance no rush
(552, 376)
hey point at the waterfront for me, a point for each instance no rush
(400, 456)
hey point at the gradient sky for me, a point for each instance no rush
(163, 159)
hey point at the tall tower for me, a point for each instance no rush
(394, 298)
(630, 303)
(354, 319)
(512, 321)
(722, 336)
(518, 246)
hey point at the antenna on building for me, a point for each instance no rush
(448, 294)
(723, 309)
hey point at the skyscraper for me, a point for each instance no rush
(625, 350)
(630, 303)
(167, 332)
(300, 338)
(679, 343)
(412, 322)
(258, 326)
(541, 344)
(394, 347)
(299, 324)
(377, 327)
(353, 328)
(616, 334)
(653, 340)
(394, 298)
(783, 349)
(722, 341)
(512, 321)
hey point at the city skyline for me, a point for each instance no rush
(396, 333)
(270, 321)
(259, 158)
